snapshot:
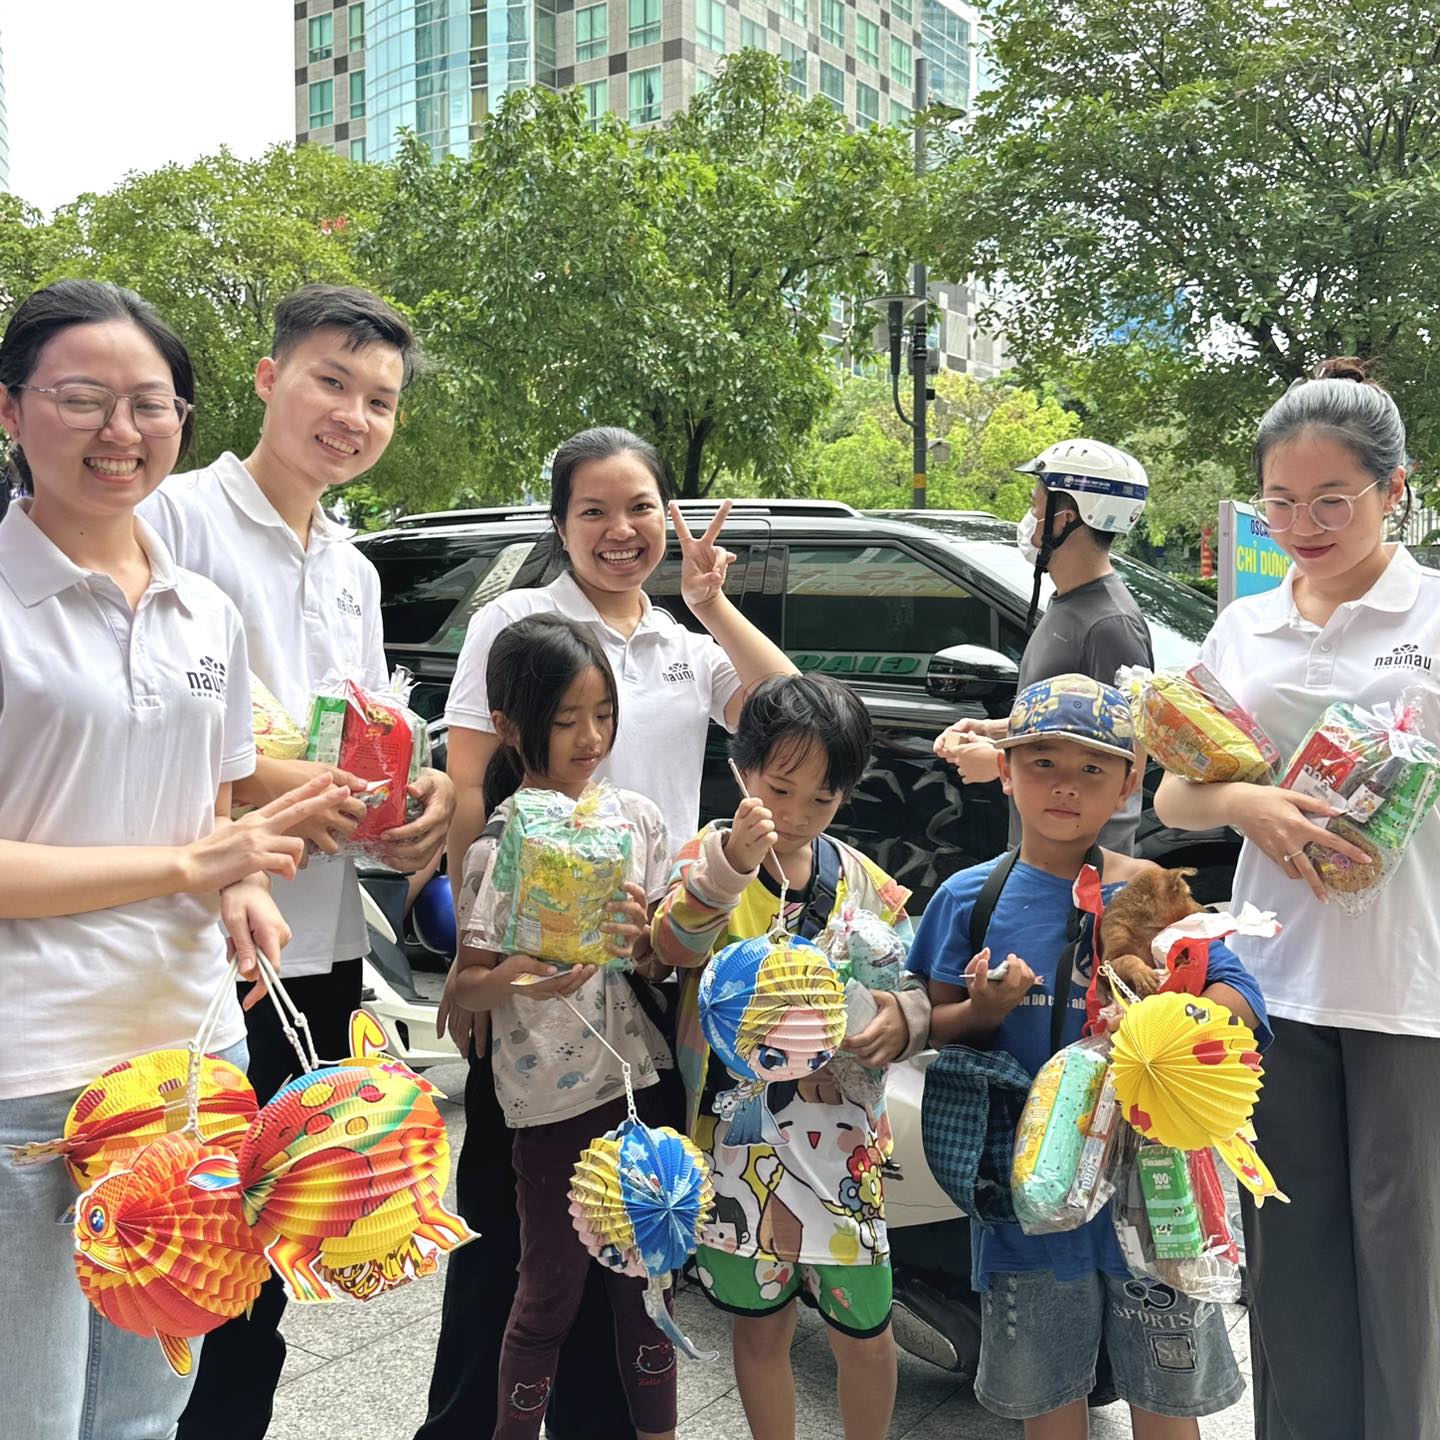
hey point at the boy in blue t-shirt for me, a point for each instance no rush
(1068, 761)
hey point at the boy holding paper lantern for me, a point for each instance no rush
(801, 1215)
(1068, 760)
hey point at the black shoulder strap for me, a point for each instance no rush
(1074, 934)
(494, 829)
(824, 887)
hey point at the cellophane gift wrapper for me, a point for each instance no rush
(139, 1100)
(868, 952)
(1381, 768)
(162, 1245)
(562, 862)
(639, 1198)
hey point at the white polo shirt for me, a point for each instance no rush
(1380, 970)
(310, 614)
(116, 728)
(671, 682)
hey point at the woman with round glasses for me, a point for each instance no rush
(124, 719)
(1345, 1281)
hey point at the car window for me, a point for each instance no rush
(663, 586)
(432, 584)
(875, 609)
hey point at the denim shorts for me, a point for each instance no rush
(1040, 1336)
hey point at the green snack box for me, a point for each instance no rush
(327, 726)
(1170, 1203)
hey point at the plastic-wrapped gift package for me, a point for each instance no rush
(1171, 1221)
(277, 736)
(1382, 769)
(562, 862)
(1054, 1136)
(376, 736)
(1195, 728)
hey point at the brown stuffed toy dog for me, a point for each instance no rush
(1135, 917)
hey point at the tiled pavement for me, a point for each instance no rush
(359, 1372)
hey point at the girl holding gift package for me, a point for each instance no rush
(558, 1085)
(124, 724)
(608, 493)
(1346, 1281)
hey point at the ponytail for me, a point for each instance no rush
(502, 777)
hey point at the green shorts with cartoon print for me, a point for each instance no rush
(853, 1298)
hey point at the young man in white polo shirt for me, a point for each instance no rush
(311, 606)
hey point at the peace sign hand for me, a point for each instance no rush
(703, 563)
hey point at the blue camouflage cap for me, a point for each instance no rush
(1074, 708)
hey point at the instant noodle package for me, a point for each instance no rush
(561, 862)
(1195, 728)
(1378, 767)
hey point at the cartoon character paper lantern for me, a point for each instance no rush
(139, 1100)
(163, 1247)
(772, 1008)
(639, 1198)
(342, 1175)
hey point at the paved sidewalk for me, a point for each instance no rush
(363, 1371)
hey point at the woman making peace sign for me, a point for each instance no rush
(608, 493)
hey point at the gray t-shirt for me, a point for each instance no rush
(1091, 630)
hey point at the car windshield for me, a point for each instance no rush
(1179, 617)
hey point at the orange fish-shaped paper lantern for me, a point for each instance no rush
(342, 1175)
(135, 1102)
(163, 1248)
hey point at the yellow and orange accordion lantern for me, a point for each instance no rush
(138, 1101)
(342, 1174)
(162, 1246)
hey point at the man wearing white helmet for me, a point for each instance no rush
(1086, 493)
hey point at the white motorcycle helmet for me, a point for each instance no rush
(1108, 486)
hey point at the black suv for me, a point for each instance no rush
(872, 598)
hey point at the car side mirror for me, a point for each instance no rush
(971, 672)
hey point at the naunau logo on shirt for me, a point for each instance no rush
(346, 603)
(1403, 657)
(207, 679)
(679, 673)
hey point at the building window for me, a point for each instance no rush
(357, 150)
(322, 37)
(322, 104)
(644, 92)
(832, 22)
(832, 84)
(357, 94)
(644, 25)
(357, 28)
(792, 57)
(867, 105)
(596, 96)
(867, 42)
(902, 63)
(592, 32)
(900, 113)
(794, 11)
(703, 81)
(945, 38)
(752, 35)
(903, 10)
(710, 25)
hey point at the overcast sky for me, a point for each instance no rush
(96, 88)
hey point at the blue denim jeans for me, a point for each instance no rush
(66, 1373)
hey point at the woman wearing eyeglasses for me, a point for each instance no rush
(124, 720)
(1345, 1281)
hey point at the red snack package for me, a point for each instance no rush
(372, 738)
(1210, 1198)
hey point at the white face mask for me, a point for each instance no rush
(1025, 529)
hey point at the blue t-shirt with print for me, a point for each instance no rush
(1030, 920)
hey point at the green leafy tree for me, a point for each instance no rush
(676, 280)
(1202, 198)
(1185, 493)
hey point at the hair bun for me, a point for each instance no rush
(1345, 367)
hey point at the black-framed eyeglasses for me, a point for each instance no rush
(1329, 512)
(89, 407)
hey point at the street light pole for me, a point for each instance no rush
(919, 336)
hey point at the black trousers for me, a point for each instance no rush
(240, 1363)
(586, 1402)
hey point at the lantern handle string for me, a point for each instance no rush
(1121, 990)
(624, 1063)
(780, 923)
(201, 1040)
(292, 1020)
